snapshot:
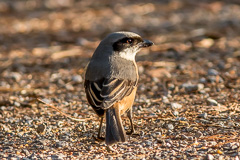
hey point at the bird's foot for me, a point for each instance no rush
(100, 139)
(110, 149)
(130, 132)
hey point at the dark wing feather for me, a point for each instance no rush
(93, 90)
(104, 93)
(115, 90)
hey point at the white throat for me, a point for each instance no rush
(129, 53)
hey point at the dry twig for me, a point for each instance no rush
(66, 115)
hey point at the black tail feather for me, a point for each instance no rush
(114, 128)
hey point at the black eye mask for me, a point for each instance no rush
(126, 43)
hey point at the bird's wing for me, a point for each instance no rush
(104, 93)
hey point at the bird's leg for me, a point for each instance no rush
(100, 130)
(109, 149)
(129, 115)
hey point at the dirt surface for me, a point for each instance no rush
(187, 103)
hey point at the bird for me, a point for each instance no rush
(111, 79)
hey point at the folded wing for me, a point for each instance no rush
(102, 94)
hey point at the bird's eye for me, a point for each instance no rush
(129, 41)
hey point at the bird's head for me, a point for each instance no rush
(125, 44)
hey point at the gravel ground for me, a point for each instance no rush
(187, 104)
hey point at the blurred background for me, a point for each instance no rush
(34, 26)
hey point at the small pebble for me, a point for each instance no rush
(221, 65)
(190, 138)
(181, 66)
(41, 128)
(203, 80)
(60, 124)
(209, 157)
(148, 143)
(26, 152)
(69, 87)
(17, 104)
(158, 133)
(77, 78)
(16, 76)
(214, 79)
(203, 115)
(212, 102)
(141, 69)
(198, 134)
(175, 113)
(192, 87)
(46, 100)
(184, 137)
(176, 106)
(170, 126)
(33, 156)
(171, 87)
(76, 154)
(165, 100)
(181, 119)
(213, 72)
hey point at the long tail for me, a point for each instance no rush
(114, 128)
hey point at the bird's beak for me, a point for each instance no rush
(145, 44)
